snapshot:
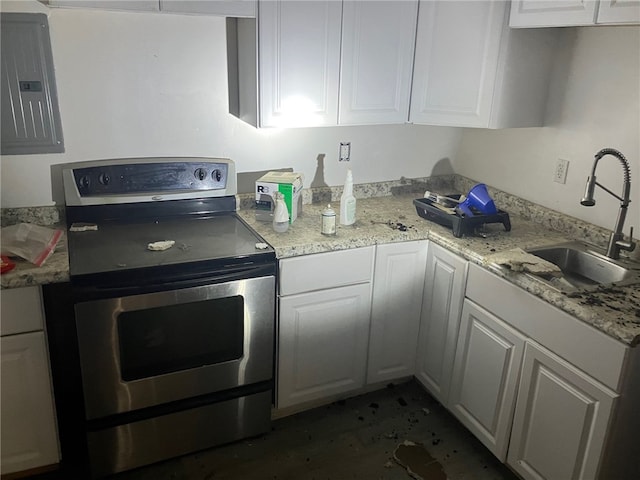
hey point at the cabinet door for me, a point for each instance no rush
(485, 377)
(398, 282)
(139, 5)
(560, 419)
(29, 436)
(534, 13)
(439, 321)
(457, 48)
(378, 39)
(299, 62)
(619, 11)
(227, 8)
(323, 341)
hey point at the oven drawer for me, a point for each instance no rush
(124, 447)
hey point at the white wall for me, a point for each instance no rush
(594, 103)
(152, 84)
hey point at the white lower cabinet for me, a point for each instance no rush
(445, 277)
(29, 435)
(561, 419)
(323, 336)
(395, 314)
(323, 343)
(541, 387)
(485, 377)
(347, 319)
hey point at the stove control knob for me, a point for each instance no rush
(216, 175)
(84, 182)
(200, 174)
(104, 179)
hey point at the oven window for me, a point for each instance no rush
(167, 339)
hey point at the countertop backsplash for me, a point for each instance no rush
(45, 216)
(444, 184)
(450, 184)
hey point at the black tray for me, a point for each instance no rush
(460, 224)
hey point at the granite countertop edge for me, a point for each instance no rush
(383, 219)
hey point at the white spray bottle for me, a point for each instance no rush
(348, 202)
(280, 214)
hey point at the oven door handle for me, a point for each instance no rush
(135, 286)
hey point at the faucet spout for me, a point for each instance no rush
(616, 240)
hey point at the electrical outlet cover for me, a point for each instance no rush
(560, 173)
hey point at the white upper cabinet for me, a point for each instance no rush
(231, 8)
(472, 70)
(534, 13)
(378, 40)
(619, 11)
(335, 63)
(299, 62)
(136, 5)
(566, 13)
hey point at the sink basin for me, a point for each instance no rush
(583, 267)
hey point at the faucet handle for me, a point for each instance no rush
(630, 245)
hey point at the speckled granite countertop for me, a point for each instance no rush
(615, 312)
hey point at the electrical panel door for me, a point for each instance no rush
(30, 116)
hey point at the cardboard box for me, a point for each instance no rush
(287, 183)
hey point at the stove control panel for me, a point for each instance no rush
(157, 179)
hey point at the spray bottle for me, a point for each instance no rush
(348, 202)
(280, 214)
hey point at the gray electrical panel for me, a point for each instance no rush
(30, 116)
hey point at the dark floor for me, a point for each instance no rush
(355, 438)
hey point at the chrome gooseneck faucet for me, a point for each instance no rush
(616, 240)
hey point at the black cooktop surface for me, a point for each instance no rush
(122, 246)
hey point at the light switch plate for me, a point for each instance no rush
(345, 151)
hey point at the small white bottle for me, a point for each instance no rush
(348, 202)
(280, 214)
(328, 221)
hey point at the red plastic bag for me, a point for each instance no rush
(6, 265)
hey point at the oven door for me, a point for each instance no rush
(152, 349)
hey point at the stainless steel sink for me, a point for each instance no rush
(584, 267)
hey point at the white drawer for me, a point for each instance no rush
(326, 270)
(20, 310)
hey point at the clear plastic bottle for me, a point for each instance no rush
(348, 202)
(280, 214)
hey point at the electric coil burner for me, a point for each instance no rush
(174, 306)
